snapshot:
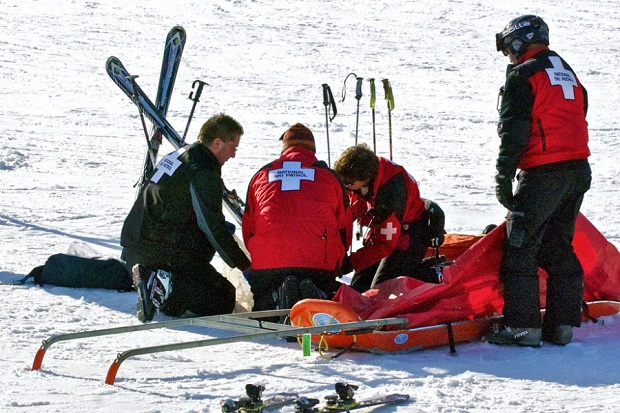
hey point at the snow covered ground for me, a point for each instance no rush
(72, 146)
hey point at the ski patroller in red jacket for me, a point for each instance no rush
(542, 115)
(297, 214)
(393, 200)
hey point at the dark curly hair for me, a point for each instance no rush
(357, 163)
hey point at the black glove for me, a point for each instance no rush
(347, 267)
(503, 191)
(436, 223)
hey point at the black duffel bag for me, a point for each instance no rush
(65, 270)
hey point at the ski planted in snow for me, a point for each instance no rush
(173, 50)
(123, 80)
(343, 401)
(253, 402)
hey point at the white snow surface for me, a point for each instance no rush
(72, 147)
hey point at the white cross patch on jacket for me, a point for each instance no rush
(559, 75)
(389, 231)
(291, 174)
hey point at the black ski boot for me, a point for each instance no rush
(310, 290)
(287, 295)
(142, 277)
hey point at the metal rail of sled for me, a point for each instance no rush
(249, 324)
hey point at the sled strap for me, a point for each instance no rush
(344, 350)
(36, 271)
(22, 281)
(585, 311)
(322, 346)
(451, 339)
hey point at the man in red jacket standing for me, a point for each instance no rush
(544, 133)
(297, 225)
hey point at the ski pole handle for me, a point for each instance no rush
(358, 88)
(373, 93)
(332, 104)
(328, 99)
(373, 99)
(195, 97)
(325, 94)
(132, 80)
(389, 96)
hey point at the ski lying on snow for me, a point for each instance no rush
(305, 405)
(254, 402)
(342, 401)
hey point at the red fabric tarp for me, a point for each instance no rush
(472, 288)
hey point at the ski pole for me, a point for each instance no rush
(328, 100)
(134, 87)
(373, 98)
(389, 97)
(195, 97)
(358, 96)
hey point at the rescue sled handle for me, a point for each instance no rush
(250, 324)
(47, 343)
(283, 331)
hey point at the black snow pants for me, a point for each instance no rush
(539, 234)
(196, 286)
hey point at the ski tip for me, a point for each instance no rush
(179, 35)
(397, 397)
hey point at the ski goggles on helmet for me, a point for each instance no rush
(522, 30)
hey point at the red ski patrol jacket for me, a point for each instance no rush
(297, 214)
(542, 113)
(392, 202)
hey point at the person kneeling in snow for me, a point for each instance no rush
(296, 225)
(401, 225)
(176, 225)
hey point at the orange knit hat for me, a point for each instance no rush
(298, 135)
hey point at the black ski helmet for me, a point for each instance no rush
(521, 32)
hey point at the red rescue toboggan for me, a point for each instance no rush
(466, 305)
